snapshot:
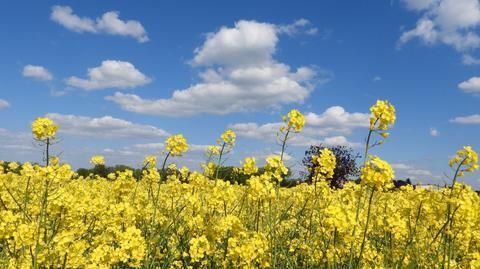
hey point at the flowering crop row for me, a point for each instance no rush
(52, 218)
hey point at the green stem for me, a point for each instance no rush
(366, 227)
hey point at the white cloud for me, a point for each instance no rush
(110, 74)
(472, 119)
(37, 72)
(468, 59)
(240, 75)
(376, 78)
(451, 22)
(297, 27)
(470, 86)
(411, 171)
(434, 132)
(4, 104)
(104, 127)
(318, 129)
(109, 23)
(336, 119)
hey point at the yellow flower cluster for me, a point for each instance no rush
(213, 150)
(377, 173)
(383, 115)
(150, 161)
(97, 160)
(100, 223)
(50, 217)
(228, 137)
(43, 128)
(249, 166)
(324, 163)
(466, 159)
(176, 145)
(294, 119)
(275, 167)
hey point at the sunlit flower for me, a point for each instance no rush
(97, 160)
(176, 145)
(44, 128)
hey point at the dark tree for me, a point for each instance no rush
(345, 170)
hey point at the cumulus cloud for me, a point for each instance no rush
(472, 119)
(109, 23)
(110, 74)
(104, 127)
(470, 86)
(4, 104)
(238, 74)
(434, 132)
(412, 172)
(37, 72)
(331, 125)
(452, 22)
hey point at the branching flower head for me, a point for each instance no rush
(228, 137)
(466, 158)
(275, 167)
(294, 119)
(325, 163)
(176, 145)
(377, 173)
(44, 128)
(97, 160)
(383, 115)
(249, 166)
(150, 160)
(213, 150)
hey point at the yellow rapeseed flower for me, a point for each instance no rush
(383, 115)
(97, 160)
(176, 145)
(44, 128)
(466, 158)
(377, 173)
(294, 119)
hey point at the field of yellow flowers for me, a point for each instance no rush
(50, 217)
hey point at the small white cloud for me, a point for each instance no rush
(376, 78)
(468, 59)
(472, 119)
(470, 86)
(411, 171)
(4, 104)
(110, 74)
(104, 127)
(434, 132)
(109, 23)
(297, 27)
(37, 72)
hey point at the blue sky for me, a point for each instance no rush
(241, 65)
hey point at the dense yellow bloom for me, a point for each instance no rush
(213, 150)
(97, 160)
(44, 128)
(377, 173)
(383, 115)
(275, 167)
(466, 158)
(150, 161)
(249, 166)
(325, 163)
(51, 217)
(176, 145)
(228, 137)
(294, 119)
